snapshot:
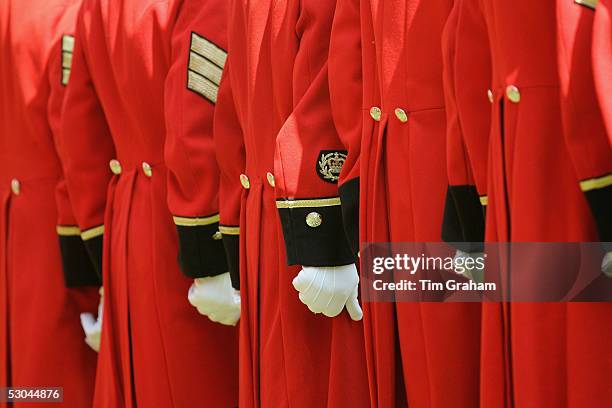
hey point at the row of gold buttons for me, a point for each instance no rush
(512, 93)
(246, 183)
(116, 168)
(400, 114)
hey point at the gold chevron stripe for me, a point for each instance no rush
(205, 68)
(203, 86)
(68, 43)
(208, 50)
(66, 60)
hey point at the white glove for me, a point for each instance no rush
(473, 273)
(328, 290)
(92, 326)
(216, 298)
(606, 265)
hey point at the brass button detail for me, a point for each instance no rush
(375, 113)
(147, 169)
(244, 180)
(314, 219)
(15, 186)
(271, 180)
(115, 166)
(401, 115)
(490, 95)
(513, 94)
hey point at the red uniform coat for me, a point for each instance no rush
(386, 56)
(543, 121)
(272, 124)
(602, 59)
(41, 340)
(156, 349)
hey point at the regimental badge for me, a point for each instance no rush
(330, 165)
(206, 63)
(67, 50)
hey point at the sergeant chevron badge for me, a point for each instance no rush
(67, 50)
(206, 63)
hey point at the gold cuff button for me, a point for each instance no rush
(314, 219)
(15, 186)
(490, 95)
(244, 180)
(513, 94)
(115, 166)
(271, 180)
(375, 113)
(147, 169)
(401, 115)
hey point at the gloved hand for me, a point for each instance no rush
(216, 298)
(606, 265)
(472, 271)
(328, 290)
(92, 326)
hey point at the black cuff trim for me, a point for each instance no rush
(349, 196)
(78, 268)
(323, 244)
(464, 221)
(231, 243)
(451, 225)
(600, 201)
(201, 251)
(94, 250)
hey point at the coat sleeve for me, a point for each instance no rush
(346, 84)
(230, 154)
(309, 155)
(77, 266)
(86, 148)
(602, 60)
(585, 135)
(198, 58)
(466, 55)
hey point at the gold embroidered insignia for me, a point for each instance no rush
(205, 68)
(67, 50)
(587, 3)
(330, 165)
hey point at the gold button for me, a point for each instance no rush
(244, 180)
(270, 178)
(115, 166)
(314, 219)
(375, 113)
(147, 169)
(490, 95)
(513, 94)
(401, 115)
(15, 186)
